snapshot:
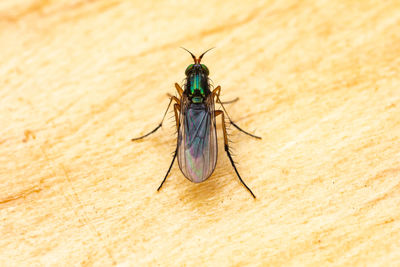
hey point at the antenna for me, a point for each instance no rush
(193, 56)
(204, 54)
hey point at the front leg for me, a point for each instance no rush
(160, 124)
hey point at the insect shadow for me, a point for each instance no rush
(195, 118)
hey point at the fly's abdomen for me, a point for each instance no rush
(197, 143)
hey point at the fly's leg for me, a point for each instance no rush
(176, 110)
(240, 129)
(159, 125)
(169, 169)
(216, 93)
(220, 112)
(179, 89)
(230, 101)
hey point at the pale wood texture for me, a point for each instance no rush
(318, 80)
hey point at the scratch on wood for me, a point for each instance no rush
(83, 219)
(86, 220)
(382, 175)
(22, 194)
(394, 190)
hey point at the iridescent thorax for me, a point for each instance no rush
(197, 87)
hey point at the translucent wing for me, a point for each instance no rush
(197, 140)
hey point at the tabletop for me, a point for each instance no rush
(317, 80)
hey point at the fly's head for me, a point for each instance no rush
(197, 86)
(197, 68)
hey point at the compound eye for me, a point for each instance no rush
(189, 69)
(204, 67)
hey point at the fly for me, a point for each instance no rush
(195, 118)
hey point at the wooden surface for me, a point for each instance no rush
(318, 80)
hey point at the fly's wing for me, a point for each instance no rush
(197, 140)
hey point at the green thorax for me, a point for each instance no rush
(197, 83)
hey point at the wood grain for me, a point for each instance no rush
(318, 80)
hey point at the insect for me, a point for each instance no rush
(195, 118)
